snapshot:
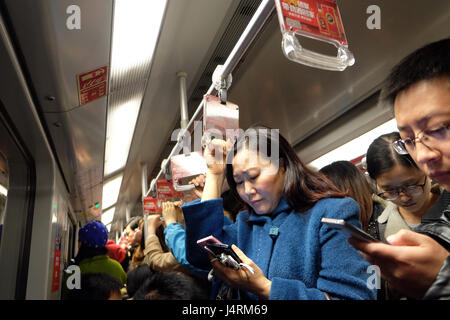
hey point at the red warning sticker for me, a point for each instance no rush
(92, 85)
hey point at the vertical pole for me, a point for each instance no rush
(183, 99)
(144, 180)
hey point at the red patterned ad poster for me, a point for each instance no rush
(152, 205)
(316, 17)
(165, 190)
(56, 270)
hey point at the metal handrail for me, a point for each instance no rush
(254, 26)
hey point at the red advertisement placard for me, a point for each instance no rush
(316, 17)
(152, 205)
(56, 270)
(92, 85)
(165, 190)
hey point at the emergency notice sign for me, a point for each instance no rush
(92, 85)
(315, 17)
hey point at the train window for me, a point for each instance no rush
(356, 147)
(4, 181)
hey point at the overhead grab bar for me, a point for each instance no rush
(254, 26)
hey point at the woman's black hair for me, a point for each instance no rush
(231, 203)
(302, 186)
(169, 286)
(136, 277)
(133, 223)
(382, 157)
(349, 179)
(95, 286)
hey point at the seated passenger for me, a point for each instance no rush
(97, 286)
(92, 255)
(293, 255)
(406, 189)
(169, 286)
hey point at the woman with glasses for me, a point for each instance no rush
(405, 188)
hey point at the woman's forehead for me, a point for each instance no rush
(247, 160)
(399, 174)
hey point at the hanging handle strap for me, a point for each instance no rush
(295, 52)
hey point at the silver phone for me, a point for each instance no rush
(349, 229)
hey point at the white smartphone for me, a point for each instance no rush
(349, 229)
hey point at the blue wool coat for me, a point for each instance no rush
(304, 259)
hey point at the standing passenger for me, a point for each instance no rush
(418, 88)
(351, 181)
(293, 255)
(399, 181)
(92, 256)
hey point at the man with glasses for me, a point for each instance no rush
(419, 91)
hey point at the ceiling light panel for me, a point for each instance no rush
(136, 28)
(111, 191)
(356, 147)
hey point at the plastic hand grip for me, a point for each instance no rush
(186, 187)
(295, 52)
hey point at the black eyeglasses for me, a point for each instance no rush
(411, 190)
(429, 137)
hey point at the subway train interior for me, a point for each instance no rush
(93, 95)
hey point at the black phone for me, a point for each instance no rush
(349, 229)
(218, 248)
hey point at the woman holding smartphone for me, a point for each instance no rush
(293, 255)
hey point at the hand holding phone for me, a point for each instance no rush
(222, 252)
(209, 239)
(219, 248)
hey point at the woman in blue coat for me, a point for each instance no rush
(293, 255)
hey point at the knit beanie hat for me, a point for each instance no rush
(94, 235)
